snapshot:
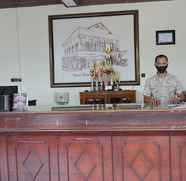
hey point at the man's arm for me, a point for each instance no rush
(179, 96)
(147, 92)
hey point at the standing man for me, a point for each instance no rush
(162, 85)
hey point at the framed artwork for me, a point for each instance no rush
(77, 41)
(165, 37)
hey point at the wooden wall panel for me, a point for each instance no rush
(3, 159)
(178, 153)
(30, 159)
(85, 158)
(141, 158)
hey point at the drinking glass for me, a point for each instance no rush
(164, 101)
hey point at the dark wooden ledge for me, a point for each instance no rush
(119, 121)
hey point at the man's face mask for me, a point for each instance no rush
(161, 69)
(161, 65)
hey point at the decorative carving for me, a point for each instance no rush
(141, 165)
(33, 164)
(85, 159)
(141, 158)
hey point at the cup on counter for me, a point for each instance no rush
(163, 102)
(160, 102)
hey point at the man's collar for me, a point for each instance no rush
(159, 75)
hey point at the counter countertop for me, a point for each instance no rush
(94, 121)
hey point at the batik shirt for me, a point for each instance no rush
(157, 87)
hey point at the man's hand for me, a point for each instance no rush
(176, 99)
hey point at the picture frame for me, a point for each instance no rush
(76, 41)
(165, 37)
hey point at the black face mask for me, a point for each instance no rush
(161, 69)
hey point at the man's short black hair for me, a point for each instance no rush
(161, 56)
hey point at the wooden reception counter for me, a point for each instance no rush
(93, 146)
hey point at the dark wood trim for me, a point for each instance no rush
(136, 44)
(170, 32)
(51, 53)
(108, 97)
(98, 2)
(28, 3)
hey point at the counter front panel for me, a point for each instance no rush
(85, 146)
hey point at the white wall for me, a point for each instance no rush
(31, 60)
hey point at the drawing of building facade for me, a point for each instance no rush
(86, 46)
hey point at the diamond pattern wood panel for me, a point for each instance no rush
(32, 159)
(85, 158)
(141, 159)
(178, 152)
(100, 158)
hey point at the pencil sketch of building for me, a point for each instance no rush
(86, 46)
